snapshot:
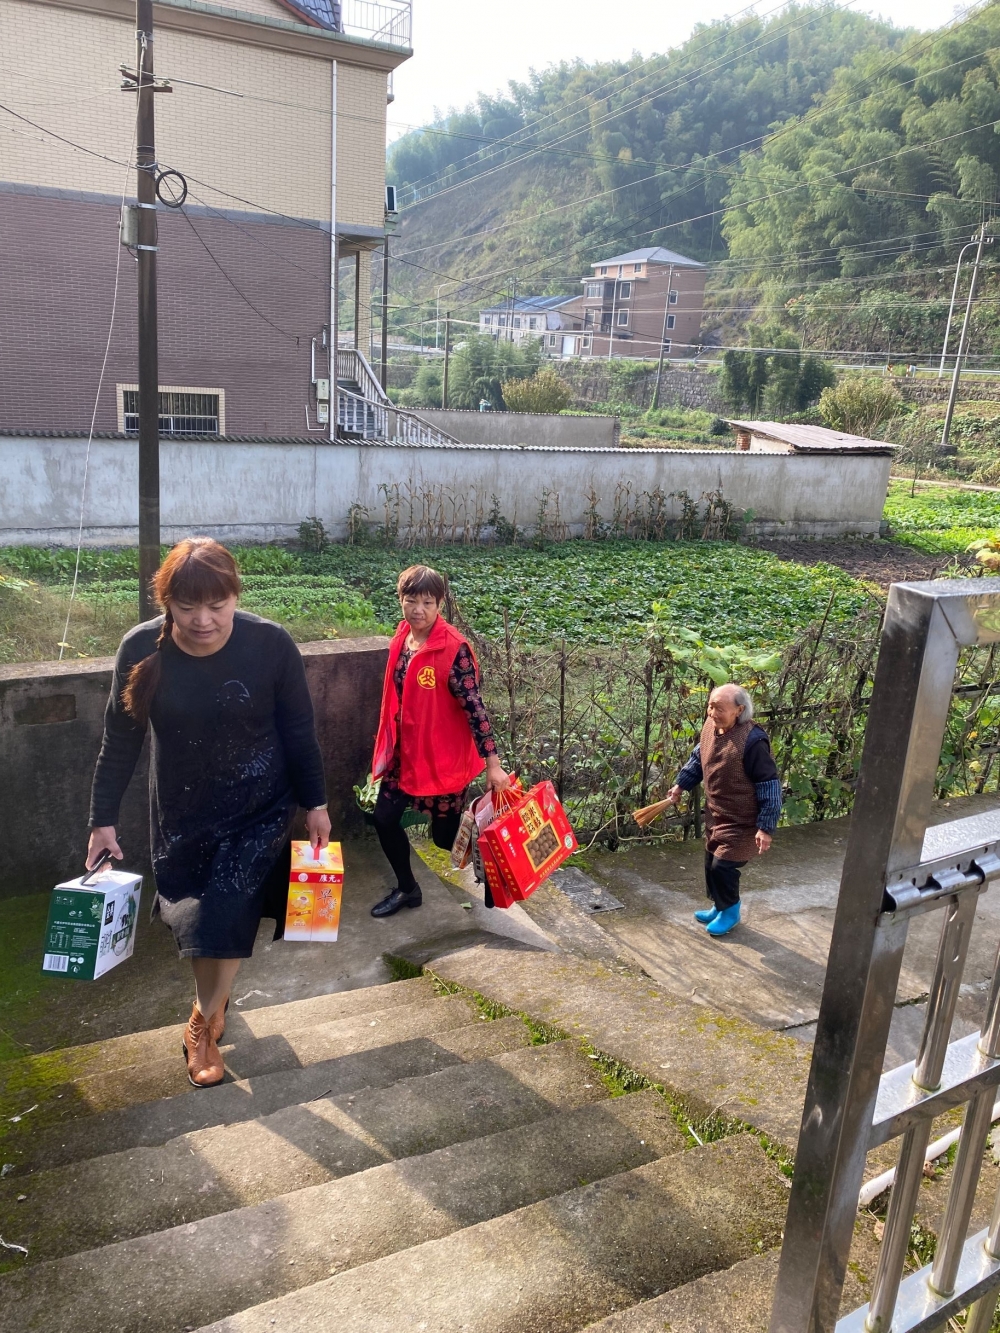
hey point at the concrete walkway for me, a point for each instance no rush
(771, 969)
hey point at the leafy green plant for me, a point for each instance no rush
(860, 404)
(941, 520)
(366, 794)
(542, 392)
(721, 665)
(312, 534)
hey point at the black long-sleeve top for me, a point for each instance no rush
(234, 737)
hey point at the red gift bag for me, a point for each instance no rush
(499, 889)
(527, 842)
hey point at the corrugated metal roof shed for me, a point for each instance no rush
(813, 439)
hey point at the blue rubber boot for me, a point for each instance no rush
(707, 915)
(724, 921)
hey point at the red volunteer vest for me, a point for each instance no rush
(438, 755)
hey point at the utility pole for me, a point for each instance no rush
(334, 265)
(951, 307)
(981, 241)
(447, 357)
(663, 341)
(149, 378)
(384, 368)
(614, 310)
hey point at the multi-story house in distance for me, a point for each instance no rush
(276, 120)
(551, 318)
(634, 302)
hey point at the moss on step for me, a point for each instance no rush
(438, 860)
(22, 985)
(541, 1033)
(401, 969)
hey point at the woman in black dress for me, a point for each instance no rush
(234, 756)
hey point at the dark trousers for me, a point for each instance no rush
(722, 881)
(389, 808)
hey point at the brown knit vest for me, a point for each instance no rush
(731, 801)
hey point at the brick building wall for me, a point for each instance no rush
(249, 124)
(645, 304)
(55, 305)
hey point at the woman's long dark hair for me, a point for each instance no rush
(198, 569)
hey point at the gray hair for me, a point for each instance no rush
(742, 700)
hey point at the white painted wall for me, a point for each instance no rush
(546, 429)
(261, 492)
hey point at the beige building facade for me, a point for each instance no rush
(260, 94)
(633, 303)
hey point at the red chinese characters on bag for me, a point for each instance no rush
(523, 845)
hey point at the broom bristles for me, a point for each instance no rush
(650, 812)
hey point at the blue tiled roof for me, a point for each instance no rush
(322, 13)
(531, 303)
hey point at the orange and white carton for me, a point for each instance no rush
(315, 887)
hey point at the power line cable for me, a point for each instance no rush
(680, 82)
(699, 166)
(63, 642)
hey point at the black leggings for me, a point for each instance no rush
(389, 808)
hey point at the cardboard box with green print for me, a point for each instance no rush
(91, 926)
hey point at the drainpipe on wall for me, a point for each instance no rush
(334, 256)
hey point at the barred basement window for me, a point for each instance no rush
(181, 413)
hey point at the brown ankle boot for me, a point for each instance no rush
(204, 1063)
(217, 1023)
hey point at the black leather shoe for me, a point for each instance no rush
(390, 906)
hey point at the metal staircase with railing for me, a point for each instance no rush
(364, 411)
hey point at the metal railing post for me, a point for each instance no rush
(895, 867)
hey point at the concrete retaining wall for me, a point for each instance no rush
(261, 491)
(543, 428)
(51, 722)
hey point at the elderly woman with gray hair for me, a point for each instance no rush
(742, 798)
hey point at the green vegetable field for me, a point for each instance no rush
(941, 520)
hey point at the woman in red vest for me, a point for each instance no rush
(434, 735)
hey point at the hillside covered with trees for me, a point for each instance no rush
(826, 166)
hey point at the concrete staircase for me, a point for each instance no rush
(390, 1158)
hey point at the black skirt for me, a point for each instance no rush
(227, 890)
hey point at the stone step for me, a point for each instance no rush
(242, 1026)
(737, 1300)
(62, 1211)
(152, 1123)
(289, 1048)
(713, 1063)
(161, 1283)
(557, 1265)
(279, 1043)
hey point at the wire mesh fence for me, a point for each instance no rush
(610, 725)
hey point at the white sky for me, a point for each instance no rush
(463, 47)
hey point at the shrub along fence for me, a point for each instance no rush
(611, 726)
